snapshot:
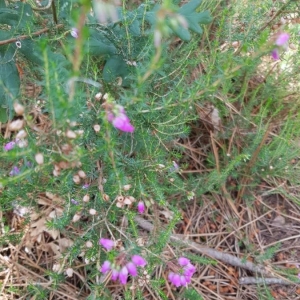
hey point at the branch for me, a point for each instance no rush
(224, 257)
(253, 280)
(23, 37)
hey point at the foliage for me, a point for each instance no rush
(82, 175)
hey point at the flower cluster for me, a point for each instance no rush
(9, 146)
(121, 270)
(183, 277)
(280, 42)
(14, 171)
(117, 116)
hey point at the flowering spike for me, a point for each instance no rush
(107, 243)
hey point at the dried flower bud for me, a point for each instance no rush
(69, 272)
(105, 97)
(127, 201)
(92, 212)
(97, 128)
(21, 134)
(79, 131)
(119, 204)
(86, 198)
(39, 158)
(105, 197)
(19, 109)
(71, 134)
(76, 179)
(56, 173)
(132, 199)
(235, 44)
(98, 96)
(23, 143)
(81, 174)
(16, 125)
(66, 148)
(76, 218)
(56, 267)
(89, 244)
(127, 187)
(63, 165)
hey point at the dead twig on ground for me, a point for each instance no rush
(254, 280)
(224, 257)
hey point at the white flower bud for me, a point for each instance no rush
(86, 198)
(56, 267)
(76, 179)
(69, 272)
(19, 109)
(16, 125)
(81, 174)
(97, 128)
(89, 244)
(71, 134)
(39, 158)
(76, 218)
(56, 173)
(98, 96)
(92, 212)
(127, 201)
(23, 143)
(21, 134)
(105, 96)
(127, 187)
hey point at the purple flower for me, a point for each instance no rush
(105, 267)
(74, 201)
(141, 207)
(189, 270)
(114, 274)
(85, 186)
(183, 261)
(74, 33)
(183, 277)
(123, 274)
(119, 119)
(281, 42)
(132, 269)
(275, 54)
(9, 146)
(14, 171)
(138, 260)
(107, 243)
(282, 39)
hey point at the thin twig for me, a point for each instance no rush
(254, 280)
(274, 17)
(23, 37)
(225, 257)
